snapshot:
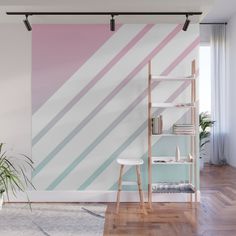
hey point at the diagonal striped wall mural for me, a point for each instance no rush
(89, 100)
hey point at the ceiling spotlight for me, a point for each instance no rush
(27, 24)
(112, 23)
(186, 24)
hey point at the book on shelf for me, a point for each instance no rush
(157, 125)
(184, 129)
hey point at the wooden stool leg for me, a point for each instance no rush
(140, 187)
(119, 189)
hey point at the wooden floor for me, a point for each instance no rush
(214, 216)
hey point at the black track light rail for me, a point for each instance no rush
(112, 14)
(106, 13)
(214, 23)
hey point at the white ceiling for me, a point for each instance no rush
(221, 11)
(103, 5)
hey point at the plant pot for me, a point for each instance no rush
(1, 201)
(201, 163)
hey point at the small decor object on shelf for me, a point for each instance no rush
(177, 154)
(184, 129)
(190, 158)
(1, 198)
(157, 125)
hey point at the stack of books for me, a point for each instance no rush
(184, 129)
(157, 125)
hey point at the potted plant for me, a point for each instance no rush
(205, 124)
(13, 177)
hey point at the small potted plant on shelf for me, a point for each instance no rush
(13, 177)
(205, 124)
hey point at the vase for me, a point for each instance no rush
(1, 201)
(201, 164)
(177, 154)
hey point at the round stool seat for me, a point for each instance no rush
(130, 162)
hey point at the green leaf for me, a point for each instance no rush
(204, 123)
(13, 173)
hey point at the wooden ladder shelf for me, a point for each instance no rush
(192, 181)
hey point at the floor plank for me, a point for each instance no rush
(214, 216)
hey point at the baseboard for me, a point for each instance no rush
(98, 196)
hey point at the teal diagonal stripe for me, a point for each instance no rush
(98, 140)
(113, 156)
(130, 175)
(119, 150)
(116, 153)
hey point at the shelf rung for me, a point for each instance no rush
(129, 183)
(173, 135)
(176, 105)
(172, 163)
(164, 157)
(170, 160)
(170, 78)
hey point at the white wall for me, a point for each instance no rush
(15, 87)
(60, 157)
(232, 73)
(205, 34)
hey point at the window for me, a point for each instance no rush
(205, 79)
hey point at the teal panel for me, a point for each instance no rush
(163, 147)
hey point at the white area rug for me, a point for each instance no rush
(52, 220)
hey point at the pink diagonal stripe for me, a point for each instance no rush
(93, 82)
(181, 56)
(142, 64)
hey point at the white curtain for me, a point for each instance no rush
(219, 95)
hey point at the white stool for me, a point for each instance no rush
(130, 162)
